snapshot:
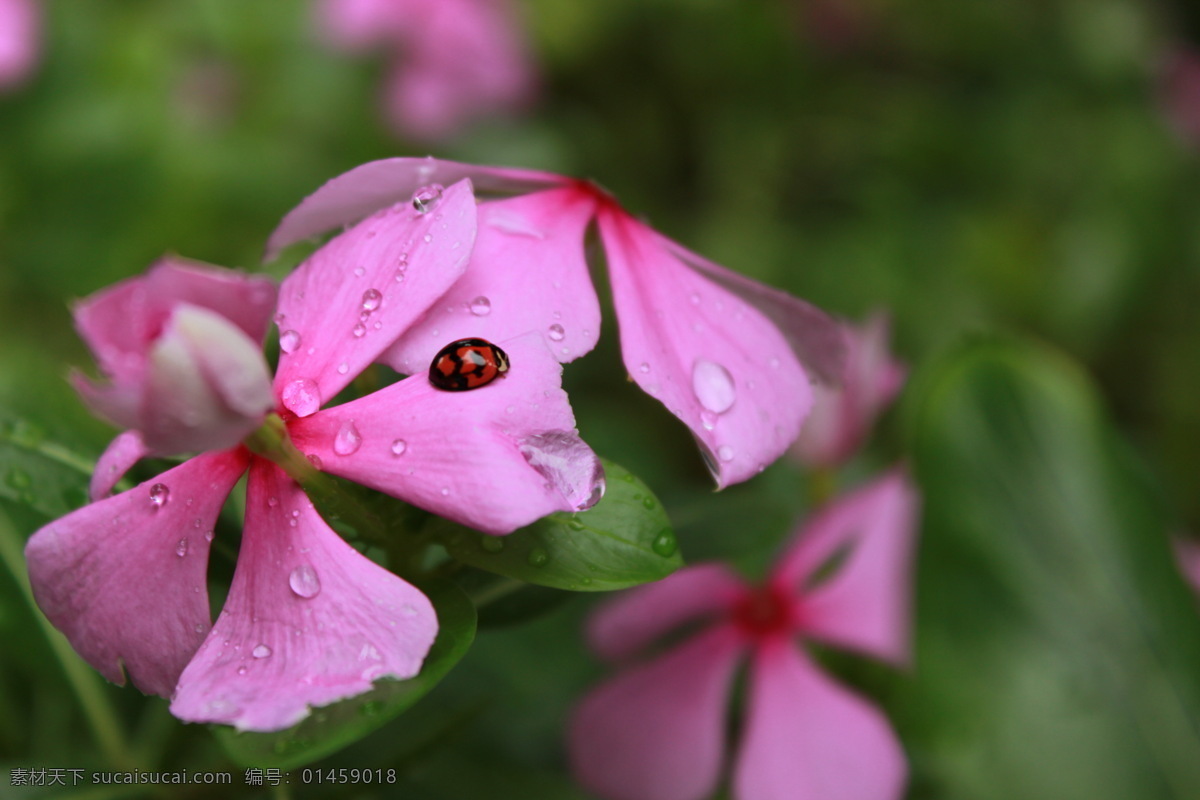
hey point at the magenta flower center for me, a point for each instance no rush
(766, 611)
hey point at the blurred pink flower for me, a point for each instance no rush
(732, 358)
(20, 40)
(308, 620)
(842, 416)
(1179, 93)
(656, 731)
(452, 61)
(1187, 556)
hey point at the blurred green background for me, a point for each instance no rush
(1003, 177)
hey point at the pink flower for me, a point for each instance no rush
(730, 357)
(20, 31)
(308, 620)
(182, 346)
(452, 60)
(657, 730)
(1179, 93)
(1187, 556)
(842, 416)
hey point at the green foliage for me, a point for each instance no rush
(39, 473)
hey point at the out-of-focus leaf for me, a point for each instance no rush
(624, 540)
(1060, 649)
(503, 601)
(39, 473)
(335, 726)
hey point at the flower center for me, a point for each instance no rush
(765, 611)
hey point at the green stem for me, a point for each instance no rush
(100, 715)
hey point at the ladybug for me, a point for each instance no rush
(467, 364)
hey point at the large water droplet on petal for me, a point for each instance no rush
(304, 582)
(289, 341)
(159, 495)
(261, 651)
(713, 386)
(302, 397)
(371, 299)
(570, 466)
(425, 198)
(399, 446)
(480, 306)
(347, 440)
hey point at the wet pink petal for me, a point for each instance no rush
(308, 620)
(657, 731)
(366, 189)
(633, 620)
(483, 457)
(807, 738)
(712, 359)
(864, 605)
(352, 298)
(815, 337)
(20, 40)
(206, 384)
(121, 454)
(124, 578)
(842, 415)
(527, 272)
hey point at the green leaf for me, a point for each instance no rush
(335, 726)
(501, 601)
(39, 473)
(1059, 650)
(624, 540)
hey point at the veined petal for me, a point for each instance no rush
(207, 385)
(356, 295)
(308, 620)
(474, 456)
(711, 358)
(376, 185)
(807, 738)
(657, 731)
(864, 605)
(814, 336)
(634, 619)
(527, 272)
(124, 578)
(121, 454)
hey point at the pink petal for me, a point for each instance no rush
(807, 738)
(657, 731)
(20, 40)
(527, 272)
(359, 24)
(713, 360)
(124, 578)
(352, 298)
(376, 185)
(308, 620)
(206, 387)
(632, 620)
(814, 336)
(865, 604)
(121, 454)
(842, 415)
(1187, 556)
(495, 458)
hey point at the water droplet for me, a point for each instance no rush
(398, 447)
(725, 453)
(208, 535)
(445, 492)
(159, 495)
(774, 363)
(427, 238)
(695, 299)
(425, 198)
(261, 651)
(343, 368)
(348, 439)
(199, 627)
(304, 581)
(568, 464)
(538, 557)
(181, 547)
(664, 544)
(359, 272)
(575, 524)
(480, 306)
(408, 610)
(644, 368)
(713, 386)
(708, 420)
(371, 299)
(491, 544)
(648, 503)
(359, 330)
(242, 670)
(302, 397)
(289, 341)
(557, 333)
(315, 460)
